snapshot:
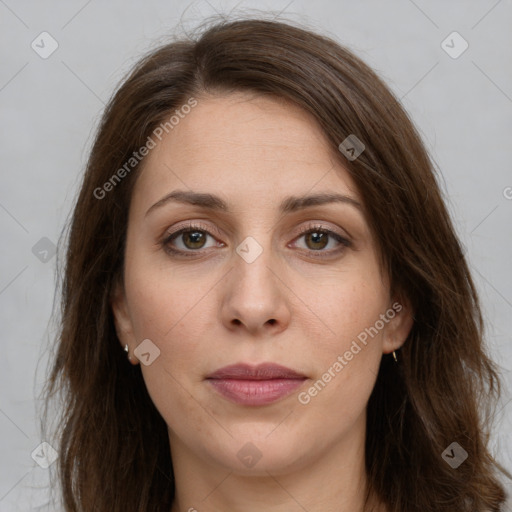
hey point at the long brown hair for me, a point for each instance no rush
(113, 443)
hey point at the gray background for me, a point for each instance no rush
(50, 107)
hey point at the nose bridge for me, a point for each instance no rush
(254, 263)
(255, 296)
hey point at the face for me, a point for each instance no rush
(252, 275)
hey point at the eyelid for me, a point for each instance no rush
(213, 230)
(191, 225)
(322, 227)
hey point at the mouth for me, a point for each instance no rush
(255, 385)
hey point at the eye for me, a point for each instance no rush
(317, 238)
(192, 238)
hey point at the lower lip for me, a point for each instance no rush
(255, 392)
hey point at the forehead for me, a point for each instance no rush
(246, 146)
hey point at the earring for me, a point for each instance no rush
(127, 350)
(394, 356)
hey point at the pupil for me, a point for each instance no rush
(195, 237)
(317, 238)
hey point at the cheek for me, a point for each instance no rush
(165, 303)
(168, 311)
(348, 355)
(343, 306)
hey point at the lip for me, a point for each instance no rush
(263, 384)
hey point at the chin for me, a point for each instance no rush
(261, 453)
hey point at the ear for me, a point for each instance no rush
(122, 320)
(400, 321)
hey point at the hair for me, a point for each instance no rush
(114, 452)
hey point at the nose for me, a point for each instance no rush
(255, 298)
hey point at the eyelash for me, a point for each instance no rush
(304, 231)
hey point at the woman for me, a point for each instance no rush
(261, 231)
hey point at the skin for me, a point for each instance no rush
(215, 309)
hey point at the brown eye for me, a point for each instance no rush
(319, 240)
(188, 241)
(193, 239)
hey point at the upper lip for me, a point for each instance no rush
(264, 371)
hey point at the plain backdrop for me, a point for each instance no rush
(461, 102)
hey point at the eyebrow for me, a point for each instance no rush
(288, 205)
